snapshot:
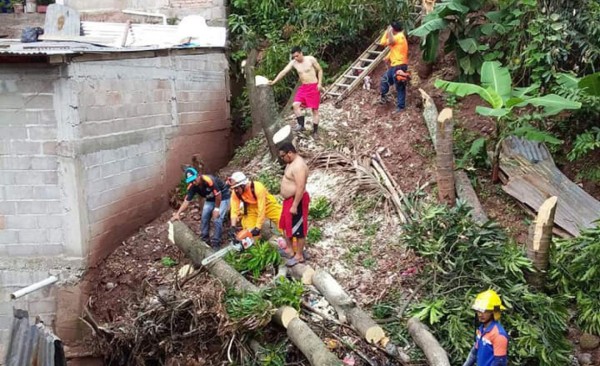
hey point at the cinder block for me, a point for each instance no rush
(6, 321)
(44, 163)
(55, 235)
(42, 132)
(8, 208)
(38, 101)
(8, 86)
(22, 222)
(20, 147)
(113, 168)
(54, 207)
(9, 237)
(28, 250)
(48, 192)
(33, 236)
(34, 177)
(17, 193)
(13, 133)
(49, 221)
(12, 101)
(49, 148)
(31, 207)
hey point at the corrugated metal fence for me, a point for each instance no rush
(33, 344)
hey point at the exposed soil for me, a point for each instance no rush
(370, 266)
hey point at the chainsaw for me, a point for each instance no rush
(240, 241)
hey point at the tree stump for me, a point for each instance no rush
(445, 157)
(539, 240)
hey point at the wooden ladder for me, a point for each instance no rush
(353, 76)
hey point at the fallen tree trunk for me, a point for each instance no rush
(303, 273)
(346, 307)
(435, 354)
(301, 335)
(310, 345)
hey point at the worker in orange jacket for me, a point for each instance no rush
(252, 203)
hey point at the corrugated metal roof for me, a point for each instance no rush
(33, 345)
(108, 37)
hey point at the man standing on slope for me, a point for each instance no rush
(310, 74)
(294, 215)
(397, 61)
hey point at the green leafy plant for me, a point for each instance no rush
(314, 235)
(168, 262)
(270, 179)
(272, 355)
(258, 258)
(244, 154)
(248, 310)
(285, 293)
(464, 258)
(575, 270)
(320, 208)
(460, 19)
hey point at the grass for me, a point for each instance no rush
(320, 208)
(168, 262)
(314, 235)
(363, 205)
(244, 154)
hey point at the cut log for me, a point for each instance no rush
(303, 273)
(333, 292)
(301, 335)
(365, 326)
(284, 315)
(346, 307)
(538, 242)
(445, 157)
(435, 354)
(465, 191)
(310, 345)
(430, 114)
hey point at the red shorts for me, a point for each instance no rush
(295, 226)
(308, 95)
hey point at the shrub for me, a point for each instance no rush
(259, 257)
(285, 293)
(314, 235)
(320, 208)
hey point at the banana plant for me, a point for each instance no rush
(496, 89)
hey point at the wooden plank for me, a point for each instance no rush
(533, 178)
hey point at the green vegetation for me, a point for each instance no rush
(168, 262)
(575, 271)
(314, 235)
(270, 179)
(272, 355)
(465, 259)
(363, 205)
(258, 258)
(320, 208)
(334, 31)
(244, 154)
(248, 309)
(285, 293)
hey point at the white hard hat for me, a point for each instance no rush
(238, 179)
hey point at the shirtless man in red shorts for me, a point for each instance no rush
(310, 74)
(294, 215)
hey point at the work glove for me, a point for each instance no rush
(255, 231)
(232, 231)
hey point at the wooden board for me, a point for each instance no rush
(532, 178)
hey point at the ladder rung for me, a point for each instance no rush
(359, 68)
(375, 52)
(343, 85)
(366, 59)
(351, 76)
(336, 94)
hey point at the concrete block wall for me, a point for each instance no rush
(31, 211)
(88, 153)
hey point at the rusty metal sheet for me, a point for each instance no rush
(533, 177)
(33, 344)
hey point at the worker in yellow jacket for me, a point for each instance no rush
(252, 203)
